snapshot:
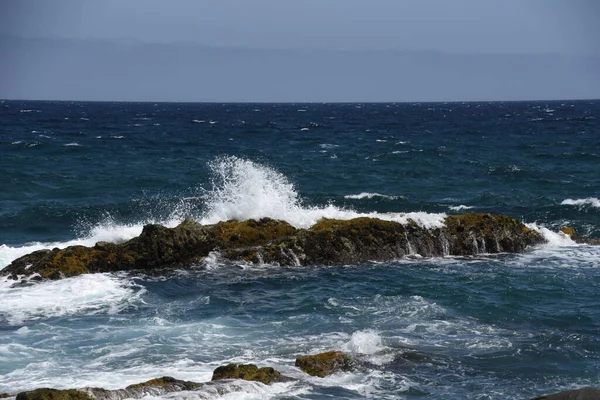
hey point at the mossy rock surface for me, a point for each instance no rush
(54, 394)
(325, 364)
(329, 242)
(570, 232)
(476, 233)
(248, 372)
(167, 382)
(579, 394)
(251, 232)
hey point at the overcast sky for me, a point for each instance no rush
(524, 26)
(567, 28)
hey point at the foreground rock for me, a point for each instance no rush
(249, 372)
(157, 387)
(579, 394)
(154, 387)
(325, 364)
(329, 242)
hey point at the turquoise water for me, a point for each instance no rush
(485, 327)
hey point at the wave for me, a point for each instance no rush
(89, 294)
(367, 195)
(553, 239)
(243, 189)
(590, 201)
(460, 207)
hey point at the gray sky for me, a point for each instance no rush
(465, 26)
(302, 50)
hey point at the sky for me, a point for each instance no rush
(563, 28)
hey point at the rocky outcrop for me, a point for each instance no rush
(249, 372)
(158, 386)
(325, 364)
(329, 242)
(154, 387)
(579, 394)
(54, 394)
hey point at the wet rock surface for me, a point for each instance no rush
(249, 372)
(325, 364)
(329, 242)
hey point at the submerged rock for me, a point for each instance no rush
(249, 372)
(325, 364)
(329, 242)
(579, 394)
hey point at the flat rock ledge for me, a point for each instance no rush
(329, 242)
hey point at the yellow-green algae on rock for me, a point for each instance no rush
(248, 372)
(54, 394)
(328, 242)
(325, 364)
(166, 381)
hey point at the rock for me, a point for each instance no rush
(476, 233)
(154, 387)
(166, 382)
(54, 394)
(579, 394)
(4, 395)
(329, 242)
(570, 232)
(574, 235)
(248, 372)
(325, 364)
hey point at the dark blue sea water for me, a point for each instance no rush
(486, 327)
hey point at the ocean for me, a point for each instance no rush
(503, 326)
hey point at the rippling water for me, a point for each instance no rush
(486, 327)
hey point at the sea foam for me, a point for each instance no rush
(88, 294)
(243, 189)
(590, 201)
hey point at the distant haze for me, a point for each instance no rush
(310, 50)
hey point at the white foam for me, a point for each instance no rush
(553, 239)
(460, 207)
(590, 201)
(242, 189)
(85, 294)
(365, 342)
(367, 195)
(73, 144)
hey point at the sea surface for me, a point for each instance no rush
(484, 327)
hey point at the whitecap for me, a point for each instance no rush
(73, 144)
(552, 238)
(86, 294)
(590, 201)
(244, 190)
(367, 195)
(460, 207)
